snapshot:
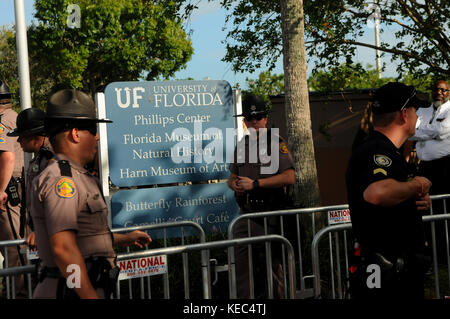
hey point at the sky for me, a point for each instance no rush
(207, 24)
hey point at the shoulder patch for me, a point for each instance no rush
(382, 160)
(2, 140)
(65, 188)
(283, 148)
(2, 128)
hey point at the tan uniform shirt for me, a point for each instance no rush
(36, 166)
(250, 160)
(242, 166)
(9, 143)
(62, 203)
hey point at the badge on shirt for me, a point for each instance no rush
(65, 188)
(382, 160)
(2, 140)
(283, 148)
(35, 168)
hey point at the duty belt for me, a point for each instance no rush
(50, 272)
(100, 273)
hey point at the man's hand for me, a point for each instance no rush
(139, 238)
(31, 241)
(245, 183)
(423, 203)
(233, 183)
(423, 186)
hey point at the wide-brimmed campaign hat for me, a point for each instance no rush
(4, 88)
(29, 122)
(72, 104)
(395, 96)
(70, 108)
(253, 105)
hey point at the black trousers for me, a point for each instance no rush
(408, 284)
(438, 172)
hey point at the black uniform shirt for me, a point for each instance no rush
(393, 230)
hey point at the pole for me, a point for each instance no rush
(22, 59)
(377, 37)
(22, 54)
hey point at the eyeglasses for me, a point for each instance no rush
(410, 97)
(442, 90)
(90, 128)
(257, 117)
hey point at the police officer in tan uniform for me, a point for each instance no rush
(31, 137)
(68, 209)
(259, 185)
(11, 165)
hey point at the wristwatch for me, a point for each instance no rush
(255, 184)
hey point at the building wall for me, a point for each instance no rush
(335, 120)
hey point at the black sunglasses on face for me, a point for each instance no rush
(257, 117)
(90, 128)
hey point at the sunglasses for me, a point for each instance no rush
(92, 128)
(410, 97)
(257, 117)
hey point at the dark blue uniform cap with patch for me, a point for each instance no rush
(396, 96)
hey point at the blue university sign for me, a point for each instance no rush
(166, 132)
(212, 206)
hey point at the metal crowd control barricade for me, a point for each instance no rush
(303, 292)
(222, 244)
(344, 227)
(9, 273)
(28, 269)
(181, 224)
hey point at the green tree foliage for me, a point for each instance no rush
(346, 77)
(354, 77)
(8, 62)
(265, 85)
(340, 78)
(333, 29)
(40, 85)
(117, 40)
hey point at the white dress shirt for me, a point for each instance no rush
(433, 132)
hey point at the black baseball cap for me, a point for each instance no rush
(395, 96)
